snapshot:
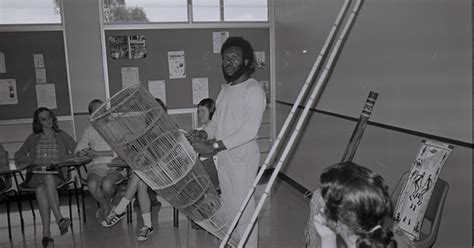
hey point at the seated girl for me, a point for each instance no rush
(145, 199)
(47, 143)
(353, 203)
(206, 109)
(101, 180)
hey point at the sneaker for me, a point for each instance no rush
(112, 219)
(63, 225)
(47, 242)
(144, 233)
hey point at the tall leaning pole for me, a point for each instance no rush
(313, 98)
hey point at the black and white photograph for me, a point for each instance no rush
(236, 123)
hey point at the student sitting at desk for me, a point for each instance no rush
(47, 143)
(101, 180)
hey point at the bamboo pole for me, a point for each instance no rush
(309, 80)
(356, 136)
(315, 94)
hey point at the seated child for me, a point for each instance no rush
(206, 109)
(47, 143)
(145, 200)
(353, 203)
(101, 179)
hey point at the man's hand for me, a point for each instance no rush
(196, 136)
(83, 152)
(93, 153)
(205, 148)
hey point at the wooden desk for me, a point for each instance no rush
(18, 167)
(73, 162)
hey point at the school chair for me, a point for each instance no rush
(5, 197)
(63, 187)
(121, 187)
(433, 213)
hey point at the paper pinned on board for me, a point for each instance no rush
(3, 65)
(46, 96)
(218, 38)
(130, 76)
(176, 64)
(200, 89)
(38, 60)
(259, 59)
(8, 93)
(158, 89)
(40, 75)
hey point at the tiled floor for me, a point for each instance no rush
(281, 221)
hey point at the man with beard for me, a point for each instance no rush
(233, 131)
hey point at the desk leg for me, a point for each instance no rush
(28, 194)
(83, 201)
(9, 222)
(175, 217)
(18, 201)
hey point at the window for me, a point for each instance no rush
(143, 11)
(245, 10)
(206, 11)
(30, 11)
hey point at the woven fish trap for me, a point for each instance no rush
(140, 131)
(144, 136)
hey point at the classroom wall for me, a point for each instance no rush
(19, 48)
(200, 61)
(84, 51)
(416, 55)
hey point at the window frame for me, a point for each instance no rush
(7, 27)
(190, 23)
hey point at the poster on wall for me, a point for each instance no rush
(127, 47)
(40, 75)
(176, 64)
(130, 76)
(259, 60)
(38, 60)
(3, 66)
(137, 46)
(266, 87)
(46, 96)
(157, 89)
(218, 38)
(8, 94)
(200, 89)
(119, 47)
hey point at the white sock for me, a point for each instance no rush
(147, 219)
(121, 206)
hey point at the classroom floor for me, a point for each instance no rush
(282, 222)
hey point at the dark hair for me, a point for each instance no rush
(162, 104)
(37, 127)
(91, 104)
(247, 51)
(357, 197)
(209, 104)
